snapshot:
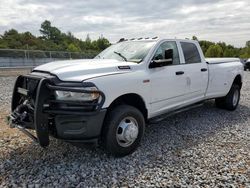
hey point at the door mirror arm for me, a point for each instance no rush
(168, 60)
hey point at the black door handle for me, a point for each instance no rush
(179, 72)
(203, 70)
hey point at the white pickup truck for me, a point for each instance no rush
(109, 98)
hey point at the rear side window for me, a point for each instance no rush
(191, 53)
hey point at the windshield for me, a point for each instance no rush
(133, 51)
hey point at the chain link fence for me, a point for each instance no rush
(31, 58)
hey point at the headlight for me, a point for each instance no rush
(70, 96)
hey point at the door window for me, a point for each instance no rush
(191, 53)
(160, 52)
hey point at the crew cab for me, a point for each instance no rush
(109, 98)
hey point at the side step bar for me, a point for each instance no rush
(177, 111)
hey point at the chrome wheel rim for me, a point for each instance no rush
(236, 97)
(127, 131)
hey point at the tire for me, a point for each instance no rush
(123, 129)
(231, 100)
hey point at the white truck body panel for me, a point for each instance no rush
(80, 70)
(160, 88)
(221, 60)
(221, 82)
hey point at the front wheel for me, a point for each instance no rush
(123, 130)
(231, 100)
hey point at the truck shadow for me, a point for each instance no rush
(165, 142)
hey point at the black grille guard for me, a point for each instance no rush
(42, 101)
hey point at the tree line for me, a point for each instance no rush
(52, 39)
(221, 49)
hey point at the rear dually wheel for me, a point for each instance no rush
(231, 100)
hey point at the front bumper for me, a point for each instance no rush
(34, 106)
(79, 128)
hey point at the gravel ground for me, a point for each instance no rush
(205, 147)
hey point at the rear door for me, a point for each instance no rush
(196, 71)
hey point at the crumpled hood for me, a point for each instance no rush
(79, 70)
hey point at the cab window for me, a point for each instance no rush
(191, 53)
(160, 52)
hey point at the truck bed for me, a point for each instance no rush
(220, 75)
(221, 60)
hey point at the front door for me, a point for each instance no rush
(168, 83)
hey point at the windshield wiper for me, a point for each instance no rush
(122, 56)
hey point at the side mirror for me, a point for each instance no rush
(169, 53)
(168, 60)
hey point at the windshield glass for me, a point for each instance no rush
(134, 51)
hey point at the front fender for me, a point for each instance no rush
(114, 86)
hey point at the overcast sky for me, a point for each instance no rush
(215, 20)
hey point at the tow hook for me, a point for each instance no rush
(18, 119)
(16, 122)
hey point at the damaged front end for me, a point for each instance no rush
(35, 107)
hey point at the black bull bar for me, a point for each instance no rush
(34, 104)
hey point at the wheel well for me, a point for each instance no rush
(131, 99)
(238, 80)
